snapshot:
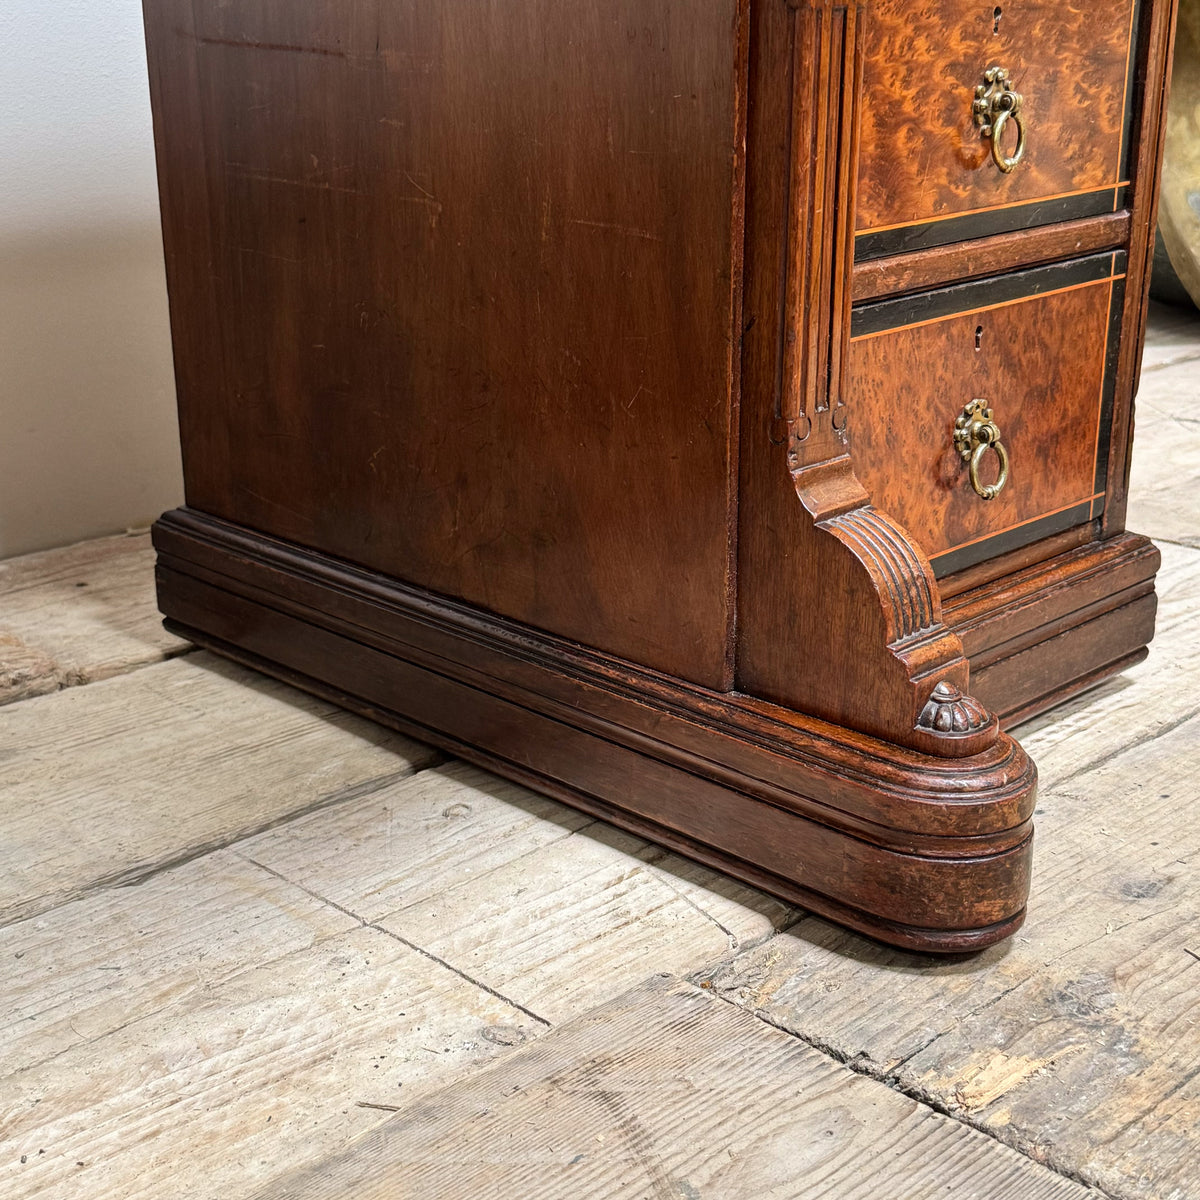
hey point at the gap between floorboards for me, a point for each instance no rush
(861, 1064)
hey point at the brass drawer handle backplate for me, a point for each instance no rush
(975, 433)
(995, 105)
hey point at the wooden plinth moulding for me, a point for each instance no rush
(922, 852)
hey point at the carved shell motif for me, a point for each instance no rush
(949, 711)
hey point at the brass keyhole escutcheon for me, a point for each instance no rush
(996, 104)
(975, 433)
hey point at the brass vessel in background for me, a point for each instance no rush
(1179, 207)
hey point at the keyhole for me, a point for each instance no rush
(978, 337)
(997, 13)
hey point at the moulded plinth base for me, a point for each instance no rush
(926, 853)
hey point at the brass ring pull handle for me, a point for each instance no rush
(975, 433)
(996, 104)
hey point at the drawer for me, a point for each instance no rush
(1039, 348)
(927, 176)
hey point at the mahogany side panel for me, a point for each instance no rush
(926, 158)
(453, 291)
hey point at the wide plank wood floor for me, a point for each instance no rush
(253, 945)
(667, 1092)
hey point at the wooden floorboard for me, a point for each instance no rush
(664, 1093)
(1165, 477)
(107, 783)
(1079, 1041)
(78, 615)
(218, 1020)
(554, 910)
(201, 1032)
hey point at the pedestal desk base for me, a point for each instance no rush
(922, 852)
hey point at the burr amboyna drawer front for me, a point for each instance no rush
(982, 118)
(981, 412)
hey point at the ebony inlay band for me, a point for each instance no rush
(879, 243)
(884, 315)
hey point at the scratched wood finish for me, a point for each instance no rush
(241, 1044)
(154, 1029)
(475, 263)
(908, 386)
(925, 157)
(667, 1092)
(544, 906)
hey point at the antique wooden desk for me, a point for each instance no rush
(714, 414)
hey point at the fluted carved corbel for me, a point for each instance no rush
(888, 644)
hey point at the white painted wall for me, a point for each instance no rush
(88, 436)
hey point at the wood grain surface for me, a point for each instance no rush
(106, 620)
(1075, 1044)
(275, 1017)
(454, 292)
(166, 767)
(215, 1026)
(908, 386)
(551, 910)
(924, 156)
(667, 1092)
(984, 256)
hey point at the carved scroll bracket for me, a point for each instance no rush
(882, 622)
